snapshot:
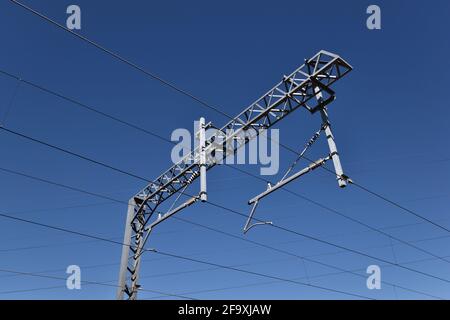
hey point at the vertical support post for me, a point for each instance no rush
(333, 150)
(139, 243)
(202, 159)
(330, 139)
(125, 250)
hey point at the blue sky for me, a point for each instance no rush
(390, 120)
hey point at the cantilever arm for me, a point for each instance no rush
(297, 175)
(248, 226)
(271, 189)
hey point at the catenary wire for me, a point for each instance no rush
(135, 66)
(87, 282)
(171, 255)
(209, 106)
(71, 153)
(240, 214)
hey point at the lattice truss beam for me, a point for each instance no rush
(307, 87)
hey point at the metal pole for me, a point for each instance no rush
(137, 262)
(202, 160)
(330, 139)
(172, 212)
(282, 183)
(125, 250)
(333, 150)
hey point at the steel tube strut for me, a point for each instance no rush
(202, 159)
(282, 183)
(294, 91)
(172, 212)
(333, 150)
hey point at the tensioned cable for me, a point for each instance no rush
(331, 266)
(164, 139)
(11, 102)
(300, 155)
(172, 255)
(240, 214)
(184, 92)
(202, 102)
(126, 61)
(283, 251)
(77, 155)
(328, 243)
(153, 134)
(290, 254)
(182, 191)
(83, 105)
(271, 282)
(62, 185)
(394, 203)
(88, 282)
(334, 211)
(122, 171)
(225, 288)
(216, 205)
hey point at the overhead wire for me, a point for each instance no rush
(213, 108)
(241, 214)
(207, 105)
(165, 254)
(88, 282)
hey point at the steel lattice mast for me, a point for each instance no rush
(307, 87)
